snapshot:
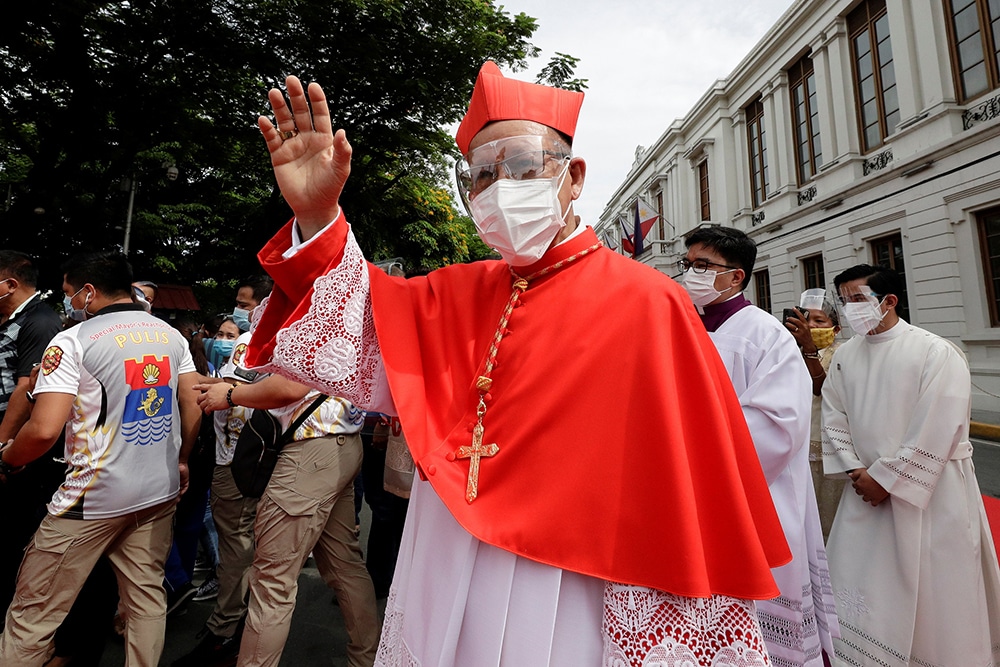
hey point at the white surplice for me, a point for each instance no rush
(915, 578)
(775, 391)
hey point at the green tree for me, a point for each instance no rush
(559, 73)
(98, 95)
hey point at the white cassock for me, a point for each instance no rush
(775, 392)
(456, 601)
(915, 578)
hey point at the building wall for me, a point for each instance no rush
(937, 170)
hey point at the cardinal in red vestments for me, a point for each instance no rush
(588, 491)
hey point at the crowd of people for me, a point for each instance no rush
(742, 491)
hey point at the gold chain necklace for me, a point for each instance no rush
(485, 382)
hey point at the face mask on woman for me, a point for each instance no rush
(221, 351)
(823, 337)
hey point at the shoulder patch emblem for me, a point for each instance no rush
(51, 359)
(238, 353)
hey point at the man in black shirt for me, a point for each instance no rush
(27, 324)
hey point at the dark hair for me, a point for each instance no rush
(227, 318)
(883, 280)
(17, 265)
(261, 285)
(190, 331)
(212, 324)
(108, 271)
(733, 245)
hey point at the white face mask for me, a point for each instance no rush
(520, 218)
(701, 286)
(863, 316)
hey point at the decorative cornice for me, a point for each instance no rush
(807, 195)
(877, 162)
(694, 153)
(981, 113)
(991, 186)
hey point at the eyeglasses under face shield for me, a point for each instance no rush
(517, 158)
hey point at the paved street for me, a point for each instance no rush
(317, 635)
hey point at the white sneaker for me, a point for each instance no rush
(208, 590)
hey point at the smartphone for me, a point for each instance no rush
(791, 312)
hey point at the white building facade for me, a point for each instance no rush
(855, 132)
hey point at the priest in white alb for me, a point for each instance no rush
(914, 568)
(775, 393)
(573, 507)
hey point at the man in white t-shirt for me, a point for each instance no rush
(124, 379)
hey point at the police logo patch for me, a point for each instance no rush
(238, 353)
(51, 359)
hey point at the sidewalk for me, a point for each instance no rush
(986, 425)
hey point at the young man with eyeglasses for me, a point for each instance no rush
(561, 485)
(774, 391)
(914, 566)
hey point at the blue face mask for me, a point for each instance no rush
(76, 314)
(242, 319)
(221, 351)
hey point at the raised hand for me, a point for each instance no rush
(311, 163)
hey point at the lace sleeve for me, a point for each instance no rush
(644, 626)
(333, 347)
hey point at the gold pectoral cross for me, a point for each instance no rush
(474, 453)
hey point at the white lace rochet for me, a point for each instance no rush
(333, 347)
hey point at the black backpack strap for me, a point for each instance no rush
(287, 436)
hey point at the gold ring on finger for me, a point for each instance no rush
(288, 134)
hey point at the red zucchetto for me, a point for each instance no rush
(496, 97)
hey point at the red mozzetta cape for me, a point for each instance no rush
(624, 454)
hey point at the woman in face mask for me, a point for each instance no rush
(224, 342)
(815, 326)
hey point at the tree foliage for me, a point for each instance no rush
(96, 93)
(559, 71)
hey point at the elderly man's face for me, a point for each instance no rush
(572, 185)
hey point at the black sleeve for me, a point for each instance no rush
(33, 338)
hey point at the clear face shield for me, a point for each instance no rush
(820, 309)
(860, 308)
(516, 158)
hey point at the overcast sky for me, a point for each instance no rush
(647, 62)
